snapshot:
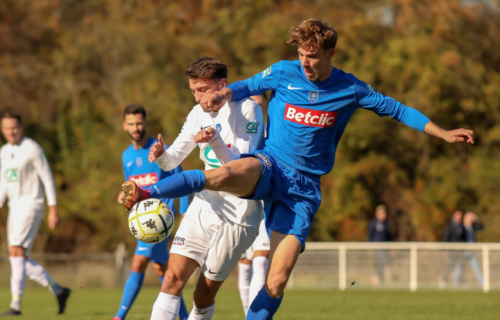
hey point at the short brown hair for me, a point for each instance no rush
(207, 68)
(10, 115)
(313, 33)
(134, 109)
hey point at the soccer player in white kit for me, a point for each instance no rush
(25, 174)
(218, 227)
(253, 264)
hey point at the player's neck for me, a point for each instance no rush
(328, 73)
(17, 142)
(139, 144)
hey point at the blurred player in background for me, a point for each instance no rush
(25, 175)
(136, 167)
(253, 264)
(311, 104)
(218, 227)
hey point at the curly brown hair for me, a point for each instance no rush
(313, 33)
(207, 68)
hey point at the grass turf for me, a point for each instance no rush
(96, 304)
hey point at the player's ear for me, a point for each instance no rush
(124, 125)
(222, 83)
(331, 53)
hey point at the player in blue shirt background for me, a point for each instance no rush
(136, 167)
(311, 104)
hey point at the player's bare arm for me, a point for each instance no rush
(53, 218)
(450, 136)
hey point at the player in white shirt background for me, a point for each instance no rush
(218, 227)
(253, 264)
(25, 175)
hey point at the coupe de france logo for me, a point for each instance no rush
(313, 96)
(138, 162)
(218, 127)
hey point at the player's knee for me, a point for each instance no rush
(139, 265)
(203, 297)
(276, 284)
(172, 282)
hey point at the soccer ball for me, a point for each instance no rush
(151, 221)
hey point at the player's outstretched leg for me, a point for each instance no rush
(37, 273)
(285, 250)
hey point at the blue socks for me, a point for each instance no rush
(130, 292)
(263, 306)
(179, 185)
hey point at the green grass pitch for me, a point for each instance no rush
(299, 304)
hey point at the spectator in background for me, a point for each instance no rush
(378, 231)
(472, 224)
(455, 232)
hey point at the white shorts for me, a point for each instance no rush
(23, 224)
(261, 243)
(215, 242)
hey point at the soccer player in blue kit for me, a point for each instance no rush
(310, 106)
(136, 167)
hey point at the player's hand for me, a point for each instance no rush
(120, 197)
(458, 135)
(156, 149)
(53, 217)
(211, 101)
(205, 135)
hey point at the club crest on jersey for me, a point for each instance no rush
(218, 127)
(313, 96)
(138, 162)
(266, 72)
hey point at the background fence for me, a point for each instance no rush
(398, 265)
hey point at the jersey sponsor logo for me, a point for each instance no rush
(252, 127)
(12, 175)
(211, 158)
(309, 117)
(145, 180)
(265, 159)
(179, 241)
(266, 72)
(292, 88)
(138, 162)
(313, 96)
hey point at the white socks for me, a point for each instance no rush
(201, 314)
(166, 307)
(244, 277)
(38, 274)
(17, 281)
(259, 266)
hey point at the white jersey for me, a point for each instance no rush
(25, 173)
(239, 127)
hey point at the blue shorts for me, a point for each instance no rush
(156, 252)
(291, 197)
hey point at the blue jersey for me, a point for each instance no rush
(137, 167)
(306, 119)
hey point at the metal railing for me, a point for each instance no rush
(413, 263)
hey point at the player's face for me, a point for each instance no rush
(135, 125)
(201, 87)
(12, 130)
(316, 62)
